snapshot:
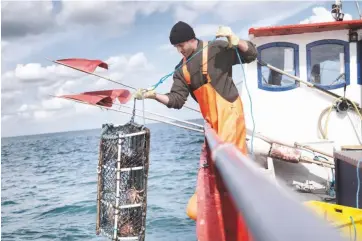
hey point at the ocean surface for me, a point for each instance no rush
(49, 185)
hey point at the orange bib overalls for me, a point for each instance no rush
(217, 217)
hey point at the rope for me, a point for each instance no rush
(354, 227)
(332, 191)
(143, 111)
(251, 103)
(170, 74)
(330, 183)
(358, 183)
(192, 56)
(133, 111)
(325, 131)
(357, 111)
(153, 113)
(329, 110)
(168, 117)
(320, 128)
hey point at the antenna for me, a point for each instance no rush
(336, 12)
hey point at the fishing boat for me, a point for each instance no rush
(302, 103)
(305, 93)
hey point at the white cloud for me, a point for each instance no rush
(21, 18)
(38, 106)
(284, 11)
(228, 12)
(250, 12)
(78, 20)
(30, 27)
(139, 62)
(37, 18)
(8, 82)
(321, 14)
(10, 100)
(17, 49)
(31, 71)
(33, 75)
(4, 44)
(27, 81)
(26, 107)
(102, 13)
(95, 12)
(42, 114)
(168, 48)
(102, 82)
(84, 109)
(190, 11)
(5, 118)
(206, 30)
(55, 104)
(184, 13)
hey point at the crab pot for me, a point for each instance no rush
(122, 182)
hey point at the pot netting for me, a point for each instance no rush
(122, 181)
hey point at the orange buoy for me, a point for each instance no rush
(191, 209)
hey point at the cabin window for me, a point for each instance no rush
(328, 63)
(284, 56)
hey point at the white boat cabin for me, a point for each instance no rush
(325, 54)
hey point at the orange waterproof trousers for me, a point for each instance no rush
(211, 206)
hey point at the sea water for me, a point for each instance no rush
(49, 185)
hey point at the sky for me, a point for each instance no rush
(132, 37)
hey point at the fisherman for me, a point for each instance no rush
(210, 83)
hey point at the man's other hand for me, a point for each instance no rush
(225, 31)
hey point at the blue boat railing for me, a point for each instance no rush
(270, 212)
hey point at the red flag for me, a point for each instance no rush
(102, 97)
(86, 65)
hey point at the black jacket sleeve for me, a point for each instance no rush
(246, 57)
(178, 93)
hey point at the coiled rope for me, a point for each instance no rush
(328, 110)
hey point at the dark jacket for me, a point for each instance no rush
(221, 60)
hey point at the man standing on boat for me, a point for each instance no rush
(208, 78)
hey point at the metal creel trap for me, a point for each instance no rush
(122, 181)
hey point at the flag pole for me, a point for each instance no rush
(103, 77)
(87, 72)
(120, 111)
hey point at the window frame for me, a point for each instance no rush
(347, 64)
(295, 47)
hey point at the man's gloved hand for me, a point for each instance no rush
(225, 31)
(143, 93)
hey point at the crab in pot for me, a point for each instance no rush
(134, 195)
(127, 230)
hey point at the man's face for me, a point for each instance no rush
(184, 48)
